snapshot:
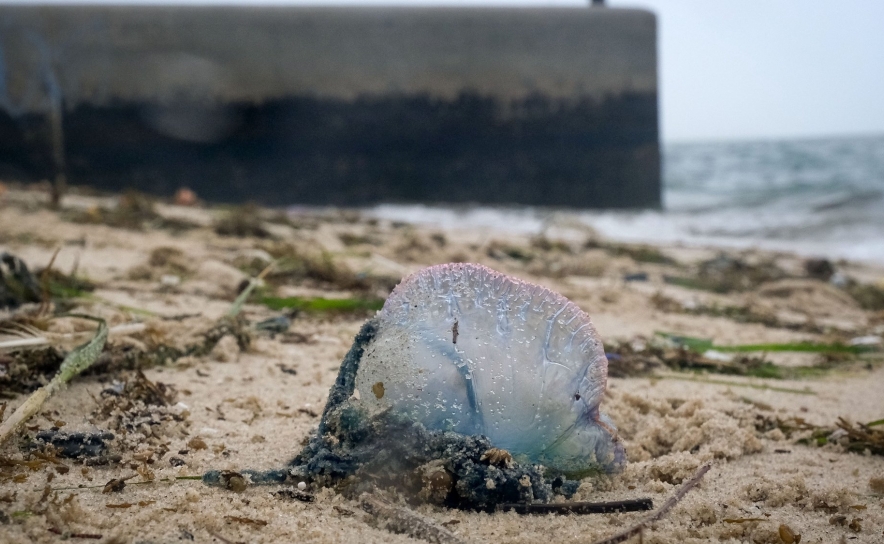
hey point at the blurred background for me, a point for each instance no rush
(751, 124)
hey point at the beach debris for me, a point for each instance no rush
(429, 395)
(876, 485)
(727, 273)
(311, 265)
(402, 520)
(639, 527)
(859, 437)
(74, 445)
(142, 412)
(133, 211)
(17, 284)
(642, 356)
(76, 362)
(30, 359)
(242, 221)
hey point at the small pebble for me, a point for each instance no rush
(302, 486)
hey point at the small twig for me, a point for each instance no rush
(75, 535)
(639, 527)
(38, 341)
(404, 521)
(628, 505)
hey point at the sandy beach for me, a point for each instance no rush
(163, 275)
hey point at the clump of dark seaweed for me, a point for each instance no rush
(356, 452)
(74, 445)
(17, 284)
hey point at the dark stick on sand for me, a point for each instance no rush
(629, 505)
(659, 514)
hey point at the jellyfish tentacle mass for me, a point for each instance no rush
(462, 359)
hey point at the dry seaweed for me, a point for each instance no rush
(27, 369)
(311, 266)
(859, 437)
(738, 313)
(242, 221)
(134, 211)
(868, 296)
(856, 438)
(637, 252)
(501, 250)
(65, 286)
(727, 274)
(138, 405)
(642, 358)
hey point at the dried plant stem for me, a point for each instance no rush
(405, 521)
(661, 512)
(40, 341)
(730, 383)
(76, 362)
(628, 505)
(237, 305)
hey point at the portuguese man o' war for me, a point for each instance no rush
(464, 348)
(469, 387)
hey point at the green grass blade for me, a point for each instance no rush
(319, 304)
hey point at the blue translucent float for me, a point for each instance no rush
(460, 347)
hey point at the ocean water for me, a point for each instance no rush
(821, 197)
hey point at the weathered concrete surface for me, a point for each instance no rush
(341, 106)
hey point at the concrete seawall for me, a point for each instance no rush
(336, 106)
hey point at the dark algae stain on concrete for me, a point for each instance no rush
(537, 150)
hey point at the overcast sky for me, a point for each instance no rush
(748, 69)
